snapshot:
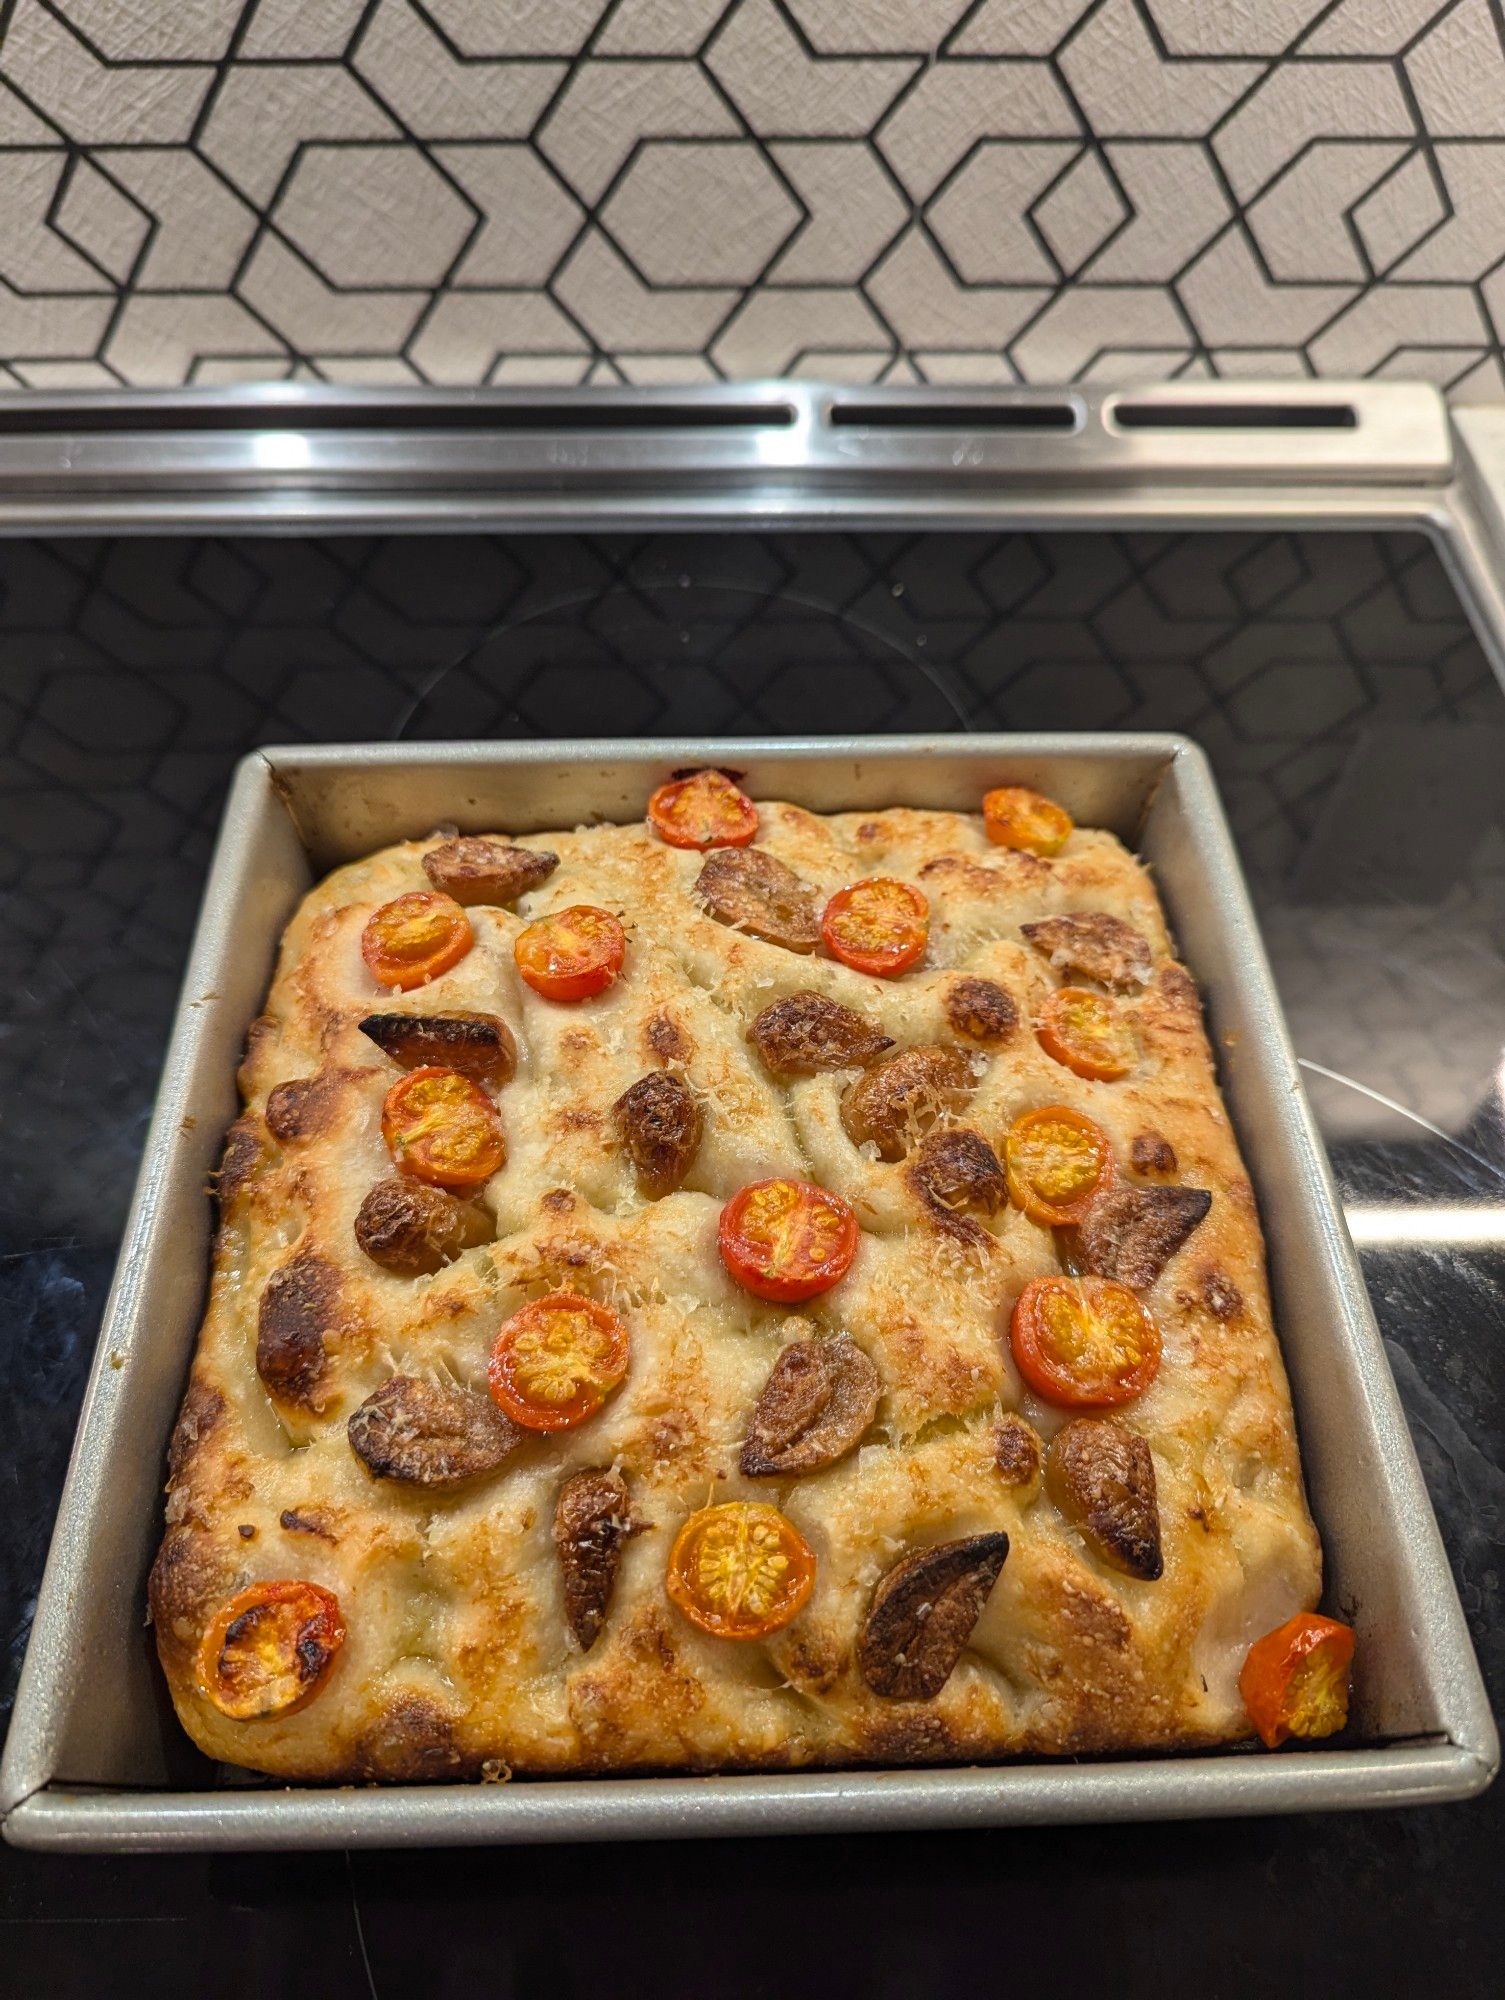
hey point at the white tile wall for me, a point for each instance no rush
(560, 191)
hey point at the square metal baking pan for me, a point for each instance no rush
(95, 1758)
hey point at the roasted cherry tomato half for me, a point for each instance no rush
(878, 926)
(1295, 1680)
(412, 940)
(787, 1240)
(740, 1570)
(442, 1128)
(1084, 1343)
(1057, 1160)
(1086, 1032)
(706, 810)
(1014, 816)
(571, 954)
(556, 1361)
(270, 1649)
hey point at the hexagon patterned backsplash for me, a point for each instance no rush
(565, 191)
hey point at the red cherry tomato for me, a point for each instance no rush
(786, 1239)
(571, 954)
(740, 1570)
(1085, 1032)
(1295, 1680)
(412, 940)
(706, 810)
(1057, 1160)
(442, 1128)
(557, 1360)
(270, 1649)
(878, 926)
(1084, 1343)
(1014, 816)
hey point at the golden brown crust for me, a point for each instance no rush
(244, 1154)
(459, 1659)
(188, 1582)
(412, 1741)
(307, 1107)
(1150, 1153)
(666, 1040)
(1017, 1451)
(202, 1409)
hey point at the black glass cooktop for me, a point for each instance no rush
(1359, 740)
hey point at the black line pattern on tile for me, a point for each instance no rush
(1081, 190)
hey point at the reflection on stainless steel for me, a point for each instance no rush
(682, 455)
(1434, 1225)
(281, 451)
(1405, 1114)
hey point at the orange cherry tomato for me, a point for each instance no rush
(1085, 1343)
(270, 1649)
(706, 810)
(412, 940)
(1057, 1160)
(878, 926)
(1086, 1032)
(740, 1570)
(1295, 1680)
(787, 1240)
(571, 954)
(556, 1361)
(1014, 816)
(442, 1128)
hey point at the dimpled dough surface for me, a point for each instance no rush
(458, 1661)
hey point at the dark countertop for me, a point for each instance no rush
(1358, 739)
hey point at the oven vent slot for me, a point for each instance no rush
(938, 416)
(1177, 416)
(21, 418)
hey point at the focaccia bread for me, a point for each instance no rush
(496, 1614)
